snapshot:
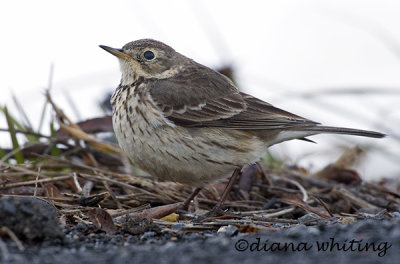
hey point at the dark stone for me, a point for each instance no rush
(30, 218)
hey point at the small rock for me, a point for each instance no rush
(82, 227)
(177, 227)
(395, 233)
(138, 226)
(296, 231)
(387, 224)
(228, 230)
(363, 226)
(147, 235)
(396, 214)
(380, 215)
(30, 218)
(313, 231)
(308, 218)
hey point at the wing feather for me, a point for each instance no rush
(201, 97)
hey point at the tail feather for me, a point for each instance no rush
(303, 132)
(343, 130)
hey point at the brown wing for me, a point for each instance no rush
(261, 115)
(201, 97)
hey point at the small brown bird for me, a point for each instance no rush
(181, 121)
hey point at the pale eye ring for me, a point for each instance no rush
(148, 55)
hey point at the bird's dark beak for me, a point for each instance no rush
(116, 52)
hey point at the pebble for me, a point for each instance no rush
(212, 247)
(228, 230)
(309, 218)
(296, 231)
(396, 214)
(313, 231)
(147, 235)
(177, 227)
(30, 218)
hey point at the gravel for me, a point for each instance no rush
(369, 240)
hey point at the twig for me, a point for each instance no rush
(129, 211)
(49, 87)
(87, 188)
(17, 184)
(87, 167)
(26, 132)
(18, 168)
(36, 182)
(279, 213)
(101, 178)
(113, 197)
(346, 195)
(76, 183)
(264, 220)
(10, 154)
(325, 206)
(266, 211)
(70, 127)
(81, 220)
(301, 188)
(74, 211)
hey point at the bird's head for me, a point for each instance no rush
(146, 58)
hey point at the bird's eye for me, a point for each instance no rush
(148, 55)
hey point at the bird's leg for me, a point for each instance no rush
(185, 205)
(217, 208)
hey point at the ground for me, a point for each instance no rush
(374, 239)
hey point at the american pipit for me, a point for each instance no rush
(181, 121)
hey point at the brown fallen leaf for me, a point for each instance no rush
(156, 212)
(52, 191)
(345, 176)
(340, 171)
(102, 220)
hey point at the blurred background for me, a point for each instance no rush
(335, 62)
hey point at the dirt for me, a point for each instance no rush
(374, 239)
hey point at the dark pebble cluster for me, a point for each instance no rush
(369, 240)
(363, 241)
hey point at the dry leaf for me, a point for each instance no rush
(102, 220)
(52, 191)
(339, 171)
(171, 217)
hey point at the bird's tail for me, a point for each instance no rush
(346, 131)
(306, 131)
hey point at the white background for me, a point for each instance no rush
(302, 56)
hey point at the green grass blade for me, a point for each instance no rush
(54, 150)
(18, 155)
(2, 153)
